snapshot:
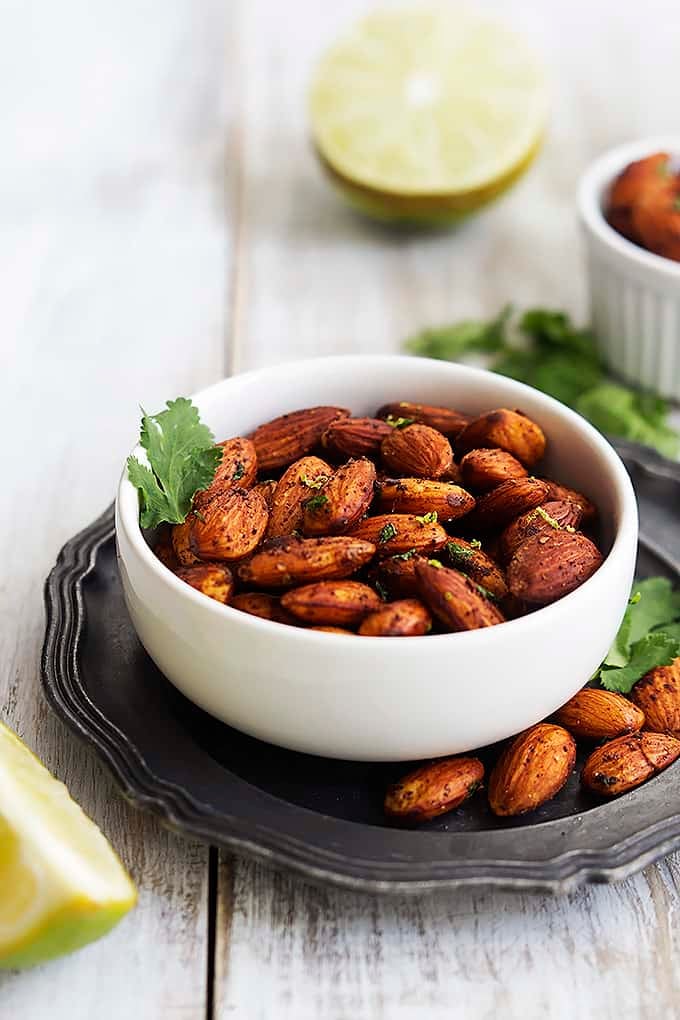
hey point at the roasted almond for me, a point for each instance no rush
(554, 515)
(267, 489)
(547, 566)
(484, 469)
(508, 430)
(432, 790)
(417, 450)
(283, 562)
(401, 533)
(593, 714)
(395, 577)
(508, 500)
(332, 603)
(343, 499)
(452, 474)
(289, 437)
(470, 559)
(230, 526)
(531, 770)
(563, 493)
(422, 496)
(442, 419)
(296, 485)
(658, 695)
(454, 598)
(165, 551)
(405, 618)
(211, 579)
(237, 469)
(355, 437)
(267, 607)
(622, 764)
(334, 630)
(181, 543)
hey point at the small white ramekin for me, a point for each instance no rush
(634, 294)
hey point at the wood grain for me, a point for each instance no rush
(112, 265)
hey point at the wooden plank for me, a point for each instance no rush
(112, 256)
(312, 279)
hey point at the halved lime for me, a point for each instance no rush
(61, 883)
(427, 114)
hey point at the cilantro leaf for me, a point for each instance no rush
(623, 412)
(182, 460)
(448, 343)
(652, 650)
(388, 532)
(654, 605)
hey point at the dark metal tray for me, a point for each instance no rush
(319, 817)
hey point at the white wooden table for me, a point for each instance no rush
(162, 222)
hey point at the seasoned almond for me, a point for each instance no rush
(289, 437)
(658, 695)
(267, 607)
(548, 566)
(554, 515)
(508, 500)
(400, 533)
(395, 577)
(296, 485)
(484, 469)
(508, 430)
(212, 579)
(470, 559)
(622, 764)
(423, 495)
(417, 450)
(342, 500)
(237, 469)
(283, 562)
(181, 543)
(230, 526)
(432, 790)
(532, 769)
(563, 493)
(355, 437)
(454, 598)
(267, 489)
(334, 630)
(405, 618)
(440, 418)
(331, 603)
(593, 714)
(165, 551)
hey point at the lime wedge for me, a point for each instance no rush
(62, 884)
(427, 113)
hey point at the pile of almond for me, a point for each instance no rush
(629, 741)
(420, 519)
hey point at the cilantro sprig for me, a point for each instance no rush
(182, 459)
(546, 350)
(649, 635)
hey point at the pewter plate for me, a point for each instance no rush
(319, 817)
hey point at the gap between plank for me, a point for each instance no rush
(213, 863)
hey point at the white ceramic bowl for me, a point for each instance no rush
(634, 294)
(385, 698)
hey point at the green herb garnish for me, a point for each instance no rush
(436, 563)
(459, 553)
(548, 519)
(388, 532)
(314, 483)
(429, 518)
(649, 635)
(405, 555)
(381, 590)
(316, 502)
(548, 352)
(182, 460)
(399, 423)
(239, 471)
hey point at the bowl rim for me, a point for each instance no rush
(127, 514)
(597, 176)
